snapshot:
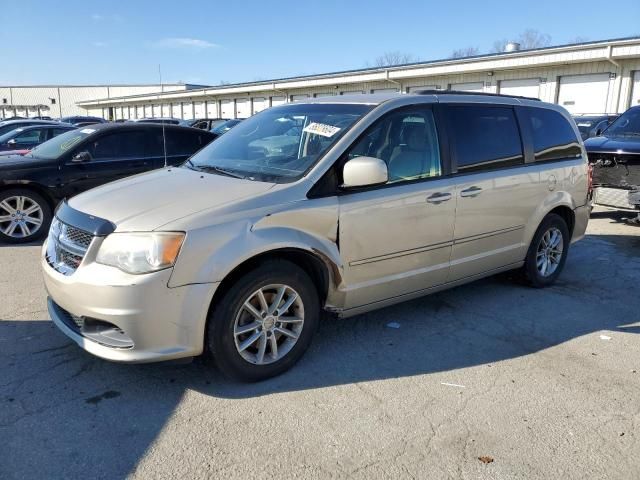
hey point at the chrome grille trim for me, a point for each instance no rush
(66, 247)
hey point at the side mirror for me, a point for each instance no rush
(598, 132)
(81, 157)
(12, 143)
(364, 172)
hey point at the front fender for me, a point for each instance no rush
(209, 254)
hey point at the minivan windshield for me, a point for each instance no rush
(61, 144)
(628, 124)
(279, 144)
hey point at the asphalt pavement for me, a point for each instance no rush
(489, 380)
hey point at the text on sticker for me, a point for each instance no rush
(322, 129)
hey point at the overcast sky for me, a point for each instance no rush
(78, 42)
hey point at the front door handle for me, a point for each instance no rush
(438, 197)
(471, 192)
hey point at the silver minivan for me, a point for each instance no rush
(338, 205)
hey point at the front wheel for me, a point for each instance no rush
(548, 251)
(264, 323)
(24, 216)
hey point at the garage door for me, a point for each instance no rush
(357, 92)
(635, 92)
(212, 109)
(243, 107)
(468, 87)
(148, 111)
(275, 101)
(176, 110)
(295, 98)
(259, 104)
(324, 94)
(526, 87)
(157, 111)
(228, 110)
(417, 88)
(198, 110)
(384, 90)
(187, 110)
(166, 110)
(584, 93)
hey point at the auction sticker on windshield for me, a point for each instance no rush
(321, 129)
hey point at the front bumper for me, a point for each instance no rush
(161, 323)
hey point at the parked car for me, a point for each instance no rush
(32, 185)
(615, 159)
(225, 126)
(43, 117)
(203, 123)
(82, 121)
(593, 125)
(166, 121)
(26, 138)
(386, 198)
(10, 125)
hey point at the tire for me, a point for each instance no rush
(544, 251)
(230, 317)
(15, 226)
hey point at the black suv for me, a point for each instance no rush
(32, 185)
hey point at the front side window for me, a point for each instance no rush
(407, 141)
(553, 135)
(119, 145)
(279, 144)
(31, 136)
(484, 137)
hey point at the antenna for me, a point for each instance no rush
(164, 137)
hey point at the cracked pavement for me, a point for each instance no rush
(544, 382)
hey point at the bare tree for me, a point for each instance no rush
(528, 39)
(465, 52)
(533, 39)
(388, 59)
(499, 45)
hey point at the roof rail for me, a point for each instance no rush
(458, 92)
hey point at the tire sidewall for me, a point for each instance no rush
(47, 215)
(531, 269)
(220, 334)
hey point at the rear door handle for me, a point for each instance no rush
(471, 192)
(438, 197)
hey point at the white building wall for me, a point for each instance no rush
(60, 101)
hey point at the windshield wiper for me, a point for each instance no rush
(192, 165)
(221, 171)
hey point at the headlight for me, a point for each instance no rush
(140, 252)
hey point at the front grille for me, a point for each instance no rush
(66, 247)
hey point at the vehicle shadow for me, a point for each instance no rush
(65, 412)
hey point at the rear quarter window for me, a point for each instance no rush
(552, 135)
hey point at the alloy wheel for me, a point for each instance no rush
(550, 251)
(268, 324)
(20, 216)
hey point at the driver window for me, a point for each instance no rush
(406, 141)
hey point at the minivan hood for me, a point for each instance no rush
(147, 201)
(621, 144)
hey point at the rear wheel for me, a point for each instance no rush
(24, 216)
(264, 323)
(547, 252)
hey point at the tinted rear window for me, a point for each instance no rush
(484, 137)
(183, 142)
(553, 135)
